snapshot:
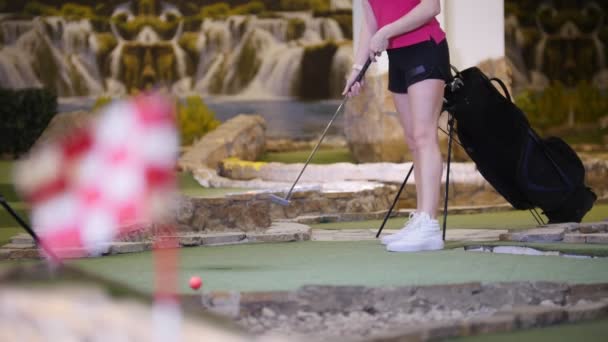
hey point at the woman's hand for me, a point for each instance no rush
(378, 44)
(352, 88)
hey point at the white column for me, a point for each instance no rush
(475, 29)
(382, 62)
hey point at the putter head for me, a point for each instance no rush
(279, 200)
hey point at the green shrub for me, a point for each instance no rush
(590, 103)
(295, 28)
(305, 5)
(76, 12)
(554, 105)
(36, 8)
(253, 7)
(346, 24)
(165, 29)
(218, 10)
(548, 108)
(25, 114)
(101, 102)
(269, 15)
(194, 119)
(189, 41)
(106, 43)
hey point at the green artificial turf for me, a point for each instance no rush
(498, 220)
(6, 233)
(323, 156)
(5, 171)
(287, 266)
(8, 226)
(596, 331)
(189, 186)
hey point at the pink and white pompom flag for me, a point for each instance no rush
(91, 185)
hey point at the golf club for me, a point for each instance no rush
(285, 201)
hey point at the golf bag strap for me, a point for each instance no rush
(503, 86)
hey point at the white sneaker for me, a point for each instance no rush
(409, 227)
(426, 237)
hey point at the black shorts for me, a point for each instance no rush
(422, 61)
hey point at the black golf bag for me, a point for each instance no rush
(528, 171)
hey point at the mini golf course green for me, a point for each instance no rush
(287, 266)
(323, 156)
(513, 219)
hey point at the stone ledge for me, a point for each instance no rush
(530, 316)
(279, 232)
(18, 254)
(601, 239)
(587, 311)
(129, 247)
(591, 233)
(22, 238)
(499, 308)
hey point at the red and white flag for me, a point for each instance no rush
(91, 185)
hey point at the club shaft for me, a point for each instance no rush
(314, 151)
(359, 78)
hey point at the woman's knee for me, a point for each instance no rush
(423, 138)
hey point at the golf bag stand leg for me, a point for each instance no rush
(27, 228)
(390, 210)
(447, 177)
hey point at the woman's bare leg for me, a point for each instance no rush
(402, 104)
(425, 100)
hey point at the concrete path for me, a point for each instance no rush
(370, 234)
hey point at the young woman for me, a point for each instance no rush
(419, 67)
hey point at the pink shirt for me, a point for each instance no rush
(389, 11)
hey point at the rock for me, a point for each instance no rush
(492, 325)
(62, 124)
(266, 312)
(242, 137)
(538, 316)
(239, 169)
(222, 238)
(371, 133)
(190, 241)
(600, 239)
(19, 246)
(587, 311)
(539, 235)
(547, 302)
(575, 238)
(18, 254)
(22, 238)
(128, 247)
(5, 254)
(184, 210)
(283, 232)
(596, 227)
